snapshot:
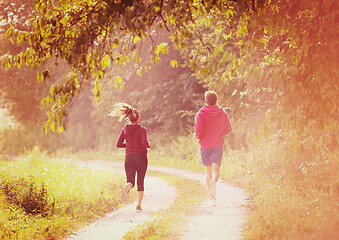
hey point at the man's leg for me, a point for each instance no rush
(215, 176)
(209, 181)
(215, 171)
(216, 157)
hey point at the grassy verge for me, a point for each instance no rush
(41, 198)
(115, 155)
(168, 222)
(184, 153)
(294, 194)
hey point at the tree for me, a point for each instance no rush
(166, 93)
(277, 55)
(16, 14)
(20, 92)
(279, 48)
(90, 36)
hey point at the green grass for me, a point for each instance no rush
(182, 153)
(41, 198)
(170, 221)
(293, 193)
(115, 155)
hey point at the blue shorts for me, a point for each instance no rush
(211, 155)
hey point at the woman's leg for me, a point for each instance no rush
(126, 190)
(140, 196)
(141, 168)
(130, 171)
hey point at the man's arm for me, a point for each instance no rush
(198, 125)
(228, 127)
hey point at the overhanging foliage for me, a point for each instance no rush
(282, 50)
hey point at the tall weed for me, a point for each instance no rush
(27, 195)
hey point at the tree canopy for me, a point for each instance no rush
(276, 56)
(279, 55)
(89, 35)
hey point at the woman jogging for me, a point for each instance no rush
(133, 138)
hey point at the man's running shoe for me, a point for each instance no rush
(213, 202)
(138, 209)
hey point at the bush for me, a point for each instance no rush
(27, 195)
(44, 198)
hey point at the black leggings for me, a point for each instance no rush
(136, 163)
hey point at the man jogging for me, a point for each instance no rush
(211, 125)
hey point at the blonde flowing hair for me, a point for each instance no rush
(125, 111)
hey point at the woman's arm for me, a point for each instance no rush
(144, 141)
(121, 139)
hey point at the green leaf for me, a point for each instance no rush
(9, 31)
(52, 125)
(117, 81)
(174, 63)
(230, 74)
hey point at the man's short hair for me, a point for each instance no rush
(211, 98)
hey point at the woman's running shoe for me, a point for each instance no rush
(125, 192)
(138, 209)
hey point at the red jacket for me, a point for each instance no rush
(134, 139)
(211, 125)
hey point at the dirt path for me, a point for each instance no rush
(116, 224)
(208, 223)
(223, 222)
